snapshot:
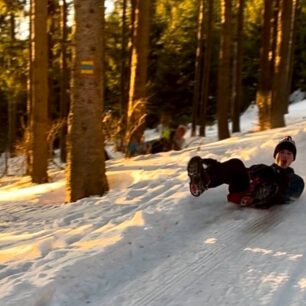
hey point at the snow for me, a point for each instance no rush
(148, 241)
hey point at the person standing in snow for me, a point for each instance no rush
(258, 186)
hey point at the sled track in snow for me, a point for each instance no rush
(212, 259)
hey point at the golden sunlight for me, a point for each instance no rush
(34, 193)
(113, 233)
(210, 241)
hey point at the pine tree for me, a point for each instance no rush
(223, 93)
(39, 93)
(85, 175)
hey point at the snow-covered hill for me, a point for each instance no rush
(149, 242)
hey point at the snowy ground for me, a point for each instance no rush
(148, 241)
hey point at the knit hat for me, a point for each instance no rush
(287, 143)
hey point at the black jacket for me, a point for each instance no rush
(288, 184)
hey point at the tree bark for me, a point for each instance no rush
(223, 94)
(198, 70)
(238, 68)
(39, 81)
(64, 84)
(85, 175)
(199, 62)
(280, 95)
(124, 73)
(264, 92)
(12, 109)
(295, 11)
(208, 30)
(138, 76)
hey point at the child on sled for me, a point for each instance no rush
(258, 186)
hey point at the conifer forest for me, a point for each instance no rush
(77, 74)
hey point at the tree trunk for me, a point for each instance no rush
(52, 18)
(85, 175)
(199, 62)
(12, 123)
(139, 63)
(223, 94)
(264, 92)
(295, 11)
(238, 68)
(208, 30)
(124, 73)
(64, 85)
(12, 109)
(39, 80)
(280, 95)
(28, 131)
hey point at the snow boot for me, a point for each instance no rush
(199, 178)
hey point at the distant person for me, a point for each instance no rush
(175, 141)
(178, 139)
(133, 147)
(164, 126)
(258, 186)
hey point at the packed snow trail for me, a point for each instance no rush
(149, 242)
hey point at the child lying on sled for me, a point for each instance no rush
(257, 186)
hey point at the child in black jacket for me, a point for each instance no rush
(257, 186)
